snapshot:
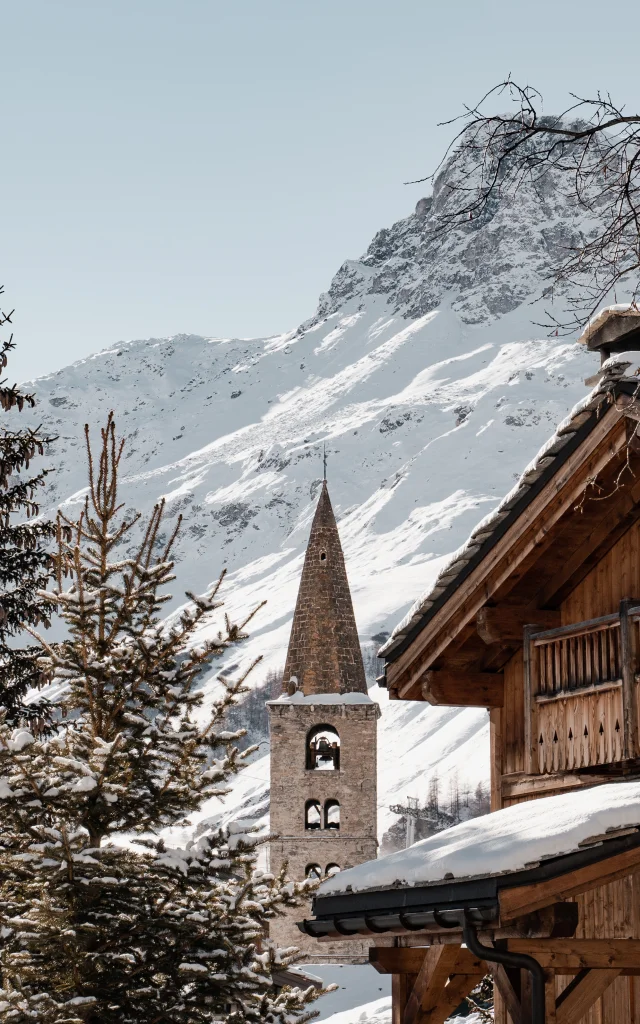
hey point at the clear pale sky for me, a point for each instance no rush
(197, 166)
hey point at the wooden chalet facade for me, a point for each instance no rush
(538, 620)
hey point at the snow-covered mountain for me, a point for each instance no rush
(423, 375)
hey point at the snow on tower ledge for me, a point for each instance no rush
(502, 842)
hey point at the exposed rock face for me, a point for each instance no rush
(482, 269)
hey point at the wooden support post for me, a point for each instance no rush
(447, 975)
(550, 997)
(437, 965)
(401, 986)
(496, 716)
(580, 995)
(530, 764)
(510, 997)
(628, 659)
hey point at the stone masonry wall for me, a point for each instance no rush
(292, 784)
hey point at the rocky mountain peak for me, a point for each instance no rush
(481, 269)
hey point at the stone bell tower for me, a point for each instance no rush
(323, 738)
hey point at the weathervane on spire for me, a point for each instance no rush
(324, 461)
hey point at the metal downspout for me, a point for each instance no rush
(519, 960)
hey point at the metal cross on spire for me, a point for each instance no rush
(324, 461)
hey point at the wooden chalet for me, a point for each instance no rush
(537, 619)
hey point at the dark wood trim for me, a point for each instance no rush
(628, 660)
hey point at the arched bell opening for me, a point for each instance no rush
(332, 814)
(313, 871)
(331, 869)
(312, 815)
(323, 749)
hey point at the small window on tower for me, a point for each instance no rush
(312, 815)
(332, 814)
(331, 869)
(323, 749)
(313, 871)
(323, 556)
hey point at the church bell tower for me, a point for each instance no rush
(323, 737)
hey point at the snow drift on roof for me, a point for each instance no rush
(502, 842)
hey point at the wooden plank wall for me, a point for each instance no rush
(612, 911)
(615, 577)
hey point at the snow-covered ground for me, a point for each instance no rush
(423, 375)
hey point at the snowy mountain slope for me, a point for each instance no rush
(424, 377)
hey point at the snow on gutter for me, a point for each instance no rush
(568, 436)
(457, 875)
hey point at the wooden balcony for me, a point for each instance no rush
(580, 692)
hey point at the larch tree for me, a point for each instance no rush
(101, 920)
(25, 565)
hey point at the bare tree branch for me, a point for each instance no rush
(589, 154)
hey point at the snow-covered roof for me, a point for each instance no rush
(500, 843)
(599, 320)
(323, 698)
(494, 524)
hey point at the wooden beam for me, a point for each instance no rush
(581, 994)
(511, 1000)
(524, 899)
(464, 689)
(519, 784)
(557, 921)
(504, 624)
(566, 956)
(397, 959)
(446, 972)
(458, 987)
(527, 533)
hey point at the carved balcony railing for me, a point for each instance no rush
(580, 692)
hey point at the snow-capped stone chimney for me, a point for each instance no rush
(614, 329)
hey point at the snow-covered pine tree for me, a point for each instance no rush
(25, 565)
(101, 920)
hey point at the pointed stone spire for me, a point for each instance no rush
(324, 650)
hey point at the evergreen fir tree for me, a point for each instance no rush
(101, 920)
(24, 562)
